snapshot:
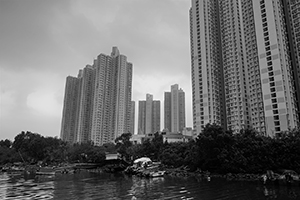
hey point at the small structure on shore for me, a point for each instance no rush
(142, 162)
(145, 167)
(287, 177)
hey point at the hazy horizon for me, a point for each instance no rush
(43, 42)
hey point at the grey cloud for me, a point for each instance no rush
(136, 28)
(62, 36)
(25, 38)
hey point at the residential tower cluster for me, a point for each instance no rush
(245, 70)
(245, 64)
(98, 106)
(97, 103)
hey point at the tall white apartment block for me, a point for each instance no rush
(149, 115)
(132, 117)
(156, 116)
(247, 42)
(235, 71)
(207, 64)
(275, 66)
(167, 111)
(174, 104)
(70, 110)
(123, 92)
(148, 119)
(253, 76)
(292, 12)
(86, 97)
(104, 100)
(142, 117)
(174, 108)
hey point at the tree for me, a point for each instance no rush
(211, 142)
(55, 150)
(174, 154)
(110, 147)
(136, 151)
(156, 145)
(123, 144)
(86, 152)
(31, 145)
(5, 143)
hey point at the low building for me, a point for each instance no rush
(167, 136)
(112, 156)
(140, 138)
(176, 137)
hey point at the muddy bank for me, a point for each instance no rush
(184, 172)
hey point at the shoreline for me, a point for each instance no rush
(179, 172)
(184, 172)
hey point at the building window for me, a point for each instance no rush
(273, 95)
(274, 100)
(271, 73)
(263, 15)
(265, 24)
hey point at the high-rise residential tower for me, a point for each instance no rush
(243, 45)
(132, 117)
(142, 118)
(234, 68)
(253, 76)
(104, 100)
(174, 109)
(86, 97)
(275, 65)
(70, 110)
(123, 92)
(148, 118)
(104, 95)
(167, 111)
(149, 115)
(207, 64)
(292, 13)
(156, 116)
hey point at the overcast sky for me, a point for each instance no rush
(44, 41)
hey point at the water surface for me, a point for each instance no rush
(112, 186)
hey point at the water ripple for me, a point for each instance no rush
(115, 187)
(16, 187)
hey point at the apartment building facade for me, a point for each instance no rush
(174, 109)
(149, 116)
(104, 96)
(254, 63)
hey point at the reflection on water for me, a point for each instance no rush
(15, 186)
(143, 188)
(117, 186)
(275, 192)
